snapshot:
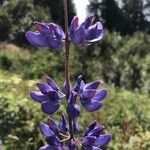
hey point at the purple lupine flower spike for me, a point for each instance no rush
(48, 35)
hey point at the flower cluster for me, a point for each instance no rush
(93, 138)
(90, 97)
(50, 35)
(61, 135)
(49, 96)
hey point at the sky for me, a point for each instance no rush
(80, 6)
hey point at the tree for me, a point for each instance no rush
(109, 12)
(126, 19)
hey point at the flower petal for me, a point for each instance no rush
(42, 27)
(94, 33)
(90, 127)
(79, 84)
(44, 88)
(52, 83)
(63, 124)
(100, 95)
(96, 131)
(92, 105)
(58, 31)
(87, 95)
(102, 140)
(74, 24)
(75, 126)
(36, 39)
(72, 97)
(49, 107)
(88, 140)
(73, 110)
(92, 85)
(46, 131)
(88, 22)
(53, 141)
(53, 43)
(78, 36)
(38, 96)
(52, 125)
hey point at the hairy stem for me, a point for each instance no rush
(67, 45)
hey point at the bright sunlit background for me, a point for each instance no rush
(80, 6)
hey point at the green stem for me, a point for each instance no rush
(67, 45)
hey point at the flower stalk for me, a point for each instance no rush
(67, 45)
(56, 134)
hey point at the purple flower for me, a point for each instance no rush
(63, 127)
(51, 132)
(73, 109)
(49, 96)
(86, 32)
(94, 137)
(90, 97)
(48, 35)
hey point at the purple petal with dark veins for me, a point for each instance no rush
(92, 85)
(36, 39)
(42, 27)
(100, 95)
(87, 95)
(90, 127)
(52, 83)
(96, 131)
(102, 140)
(53, 141)
(78, 36)
(94, 33)
(49, 107)
(53, 43)
(52, 125)
(46, 131)
(44, 88)
(38, 96)
(88, 140)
